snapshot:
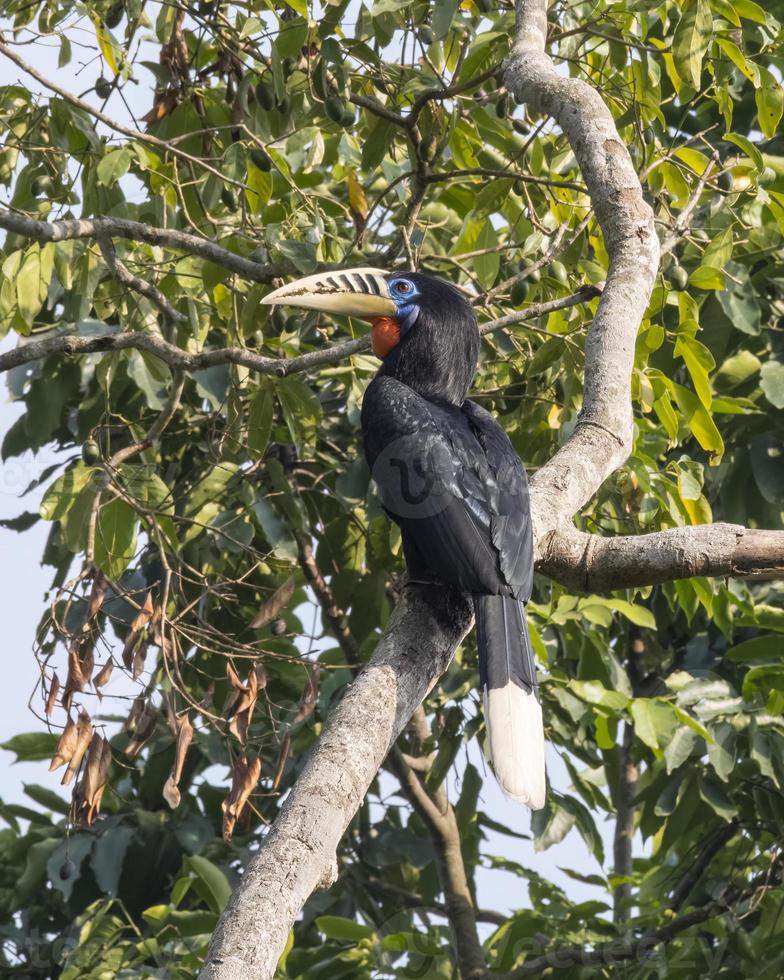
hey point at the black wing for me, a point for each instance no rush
(452, 481)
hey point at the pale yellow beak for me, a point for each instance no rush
(355, 292)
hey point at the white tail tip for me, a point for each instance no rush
(515, 740)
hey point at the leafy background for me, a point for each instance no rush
(257, 481)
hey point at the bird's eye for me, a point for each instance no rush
(403, 286)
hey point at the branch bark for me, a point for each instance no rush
(591, 563)
(298, 854)
(177, 358)
(602, 438)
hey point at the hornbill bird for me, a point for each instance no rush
(448, 476)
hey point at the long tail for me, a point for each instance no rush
(513, 714)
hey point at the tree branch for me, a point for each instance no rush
(298, 854)
(592, 563)
(96, 228)
(624, 824)
(123, 275)
(602, 438)
(175, 357)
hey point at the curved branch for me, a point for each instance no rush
(125, 277)
(592, 563)
(136, 231)
(298, 854)
(175, 357)
(602, 438)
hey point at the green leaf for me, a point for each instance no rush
(31, 746)
(487, 266)
(277, 534)
(115, 537)
(260, 421)
(716, 798)
(32, 280)
(750, 10)
(216, 890)
(550, 825)
(691, 39)
(654, 720)
(700, 422)
(705, 277)
(47, 798)
(721, 751)
(772, 382)
(679, 748)
(113, 166)
(739, 59)
(737, 369)
(635, 614)
(301, 411)
(337, 927)
(748, 148)
(62, 494)
(770, 102)
(443, 14)
(108, 857)
(699, 361)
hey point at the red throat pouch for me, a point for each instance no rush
(385, 335)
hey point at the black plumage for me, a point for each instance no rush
(449, 477)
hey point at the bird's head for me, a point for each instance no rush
(423, 328)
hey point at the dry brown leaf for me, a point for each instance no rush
(139, 657)
(75, 681)
(65, 746)
(144, 726)
(87, 662)
(97, 596)
(84, 733)
(171, 793)
(309, 696)
(51, 697)
(239, 709)
(103, 676)
(87, 798)
(135, 713)
(276, 603)
(134, 638)
(244, 778)
(183, 731)
(144, 615)
(285, 745)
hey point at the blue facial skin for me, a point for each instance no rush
(402, 292)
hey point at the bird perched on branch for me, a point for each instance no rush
(449, 477)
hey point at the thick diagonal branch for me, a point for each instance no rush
(602, 438)
(298, 854)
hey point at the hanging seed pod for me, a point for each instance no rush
(519, 292)
(335, 108)
(265, 96)
(260, 159)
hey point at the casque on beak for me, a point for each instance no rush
(356, 292)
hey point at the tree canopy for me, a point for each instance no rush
(220, 565)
